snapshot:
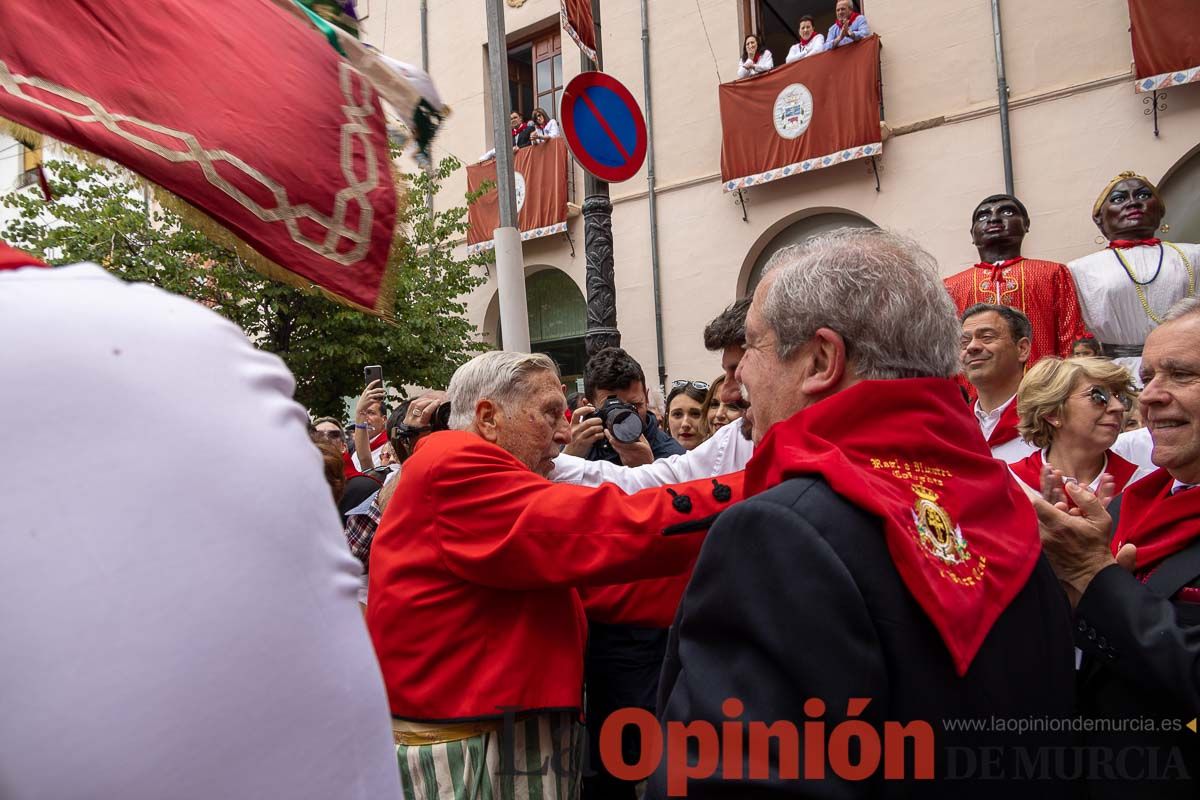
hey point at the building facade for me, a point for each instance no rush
(1075, 121)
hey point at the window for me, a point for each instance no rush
(776, 21)
(548, 73)
(31, 160)
(535, 74)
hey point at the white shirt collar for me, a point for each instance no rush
(1179, 486)
(989, 419)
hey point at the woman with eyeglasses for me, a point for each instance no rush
(685, 413)
(1073, 411)
(718, 413)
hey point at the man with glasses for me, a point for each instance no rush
(995, 347)
(1136, 592)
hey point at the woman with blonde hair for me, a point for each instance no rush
(718, 414)
(1073, 411)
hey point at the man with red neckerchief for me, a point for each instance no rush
(1042, 290)
(994, 349)
(884, 566)
(1137, 597)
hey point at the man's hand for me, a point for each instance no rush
(1076, 542)
(634, 454)
(585, 432)
(420, 411)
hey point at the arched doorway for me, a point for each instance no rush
(797, 232)
(1179, 195)
(557, 321)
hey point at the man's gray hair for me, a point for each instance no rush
(879, 291)
(1186, 307)
(501, 376)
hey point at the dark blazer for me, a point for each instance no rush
(1141, 645)
(795, 596)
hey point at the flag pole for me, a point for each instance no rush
(510, 263)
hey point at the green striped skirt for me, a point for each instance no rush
(543, 762)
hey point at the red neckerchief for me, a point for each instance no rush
(853, 16)
(804, 42)
(1125, 244)
(1006, 427)
(1159, 523)
(1029, 470)
(962, 535)
(757, 53)
(12, 258)
(518, 129)
(997, 271)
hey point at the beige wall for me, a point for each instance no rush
(1075, 122)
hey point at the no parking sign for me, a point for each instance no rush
(603, 126)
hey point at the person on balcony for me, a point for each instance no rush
(810, 42)
(849, 28)
(522, 133)
(755, 61)
(543, 128)
(1126, 288)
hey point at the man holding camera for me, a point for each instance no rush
(616, 425)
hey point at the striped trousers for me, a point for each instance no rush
(549, 747)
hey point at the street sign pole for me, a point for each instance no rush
(597, 240)
(510, 263)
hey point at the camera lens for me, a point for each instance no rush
(626, 426)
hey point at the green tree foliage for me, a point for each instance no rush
(99, 215)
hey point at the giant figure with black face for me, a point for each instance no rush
(1043, 290)
(1126, 288)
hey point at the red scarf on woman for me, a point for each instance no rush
(1029, 470)
(1159, 523)
(962, 535)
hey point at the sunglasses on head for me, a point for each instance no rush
(1101, 397)
(701, 385)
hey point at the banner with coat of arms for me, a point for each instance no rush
(540, 174)
(807, 115)
(1166, 42)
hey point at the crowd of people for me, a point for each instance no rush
(905, 501)
(848, 27)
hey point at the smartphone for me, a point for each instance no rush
(373, 373)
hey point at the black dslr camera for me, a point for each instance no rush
(620, 419)
(441, 418)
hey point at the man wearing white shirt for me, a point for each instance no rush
(995, 346)
(726, 451)
(810, 42)
(172, 627)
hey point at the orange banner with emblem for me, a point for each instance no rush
(807, 115)
(540, 172)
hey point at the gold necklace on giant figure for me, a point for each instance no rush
(1139, 286)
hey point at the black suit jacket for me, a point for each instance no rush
(1141, 669)
(795, 596)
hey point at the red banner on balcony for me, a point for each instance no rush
(807, 115)
(578, 22)
(541, 178)
(236, 107)
(1166, 42)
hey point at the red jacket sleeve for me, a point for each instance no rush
(499, 524)
(1069, 319)
(651, 603)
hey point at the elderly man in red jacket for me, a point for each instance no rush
(474, 609)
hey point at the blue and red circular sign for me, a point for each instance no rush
(603, 126)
